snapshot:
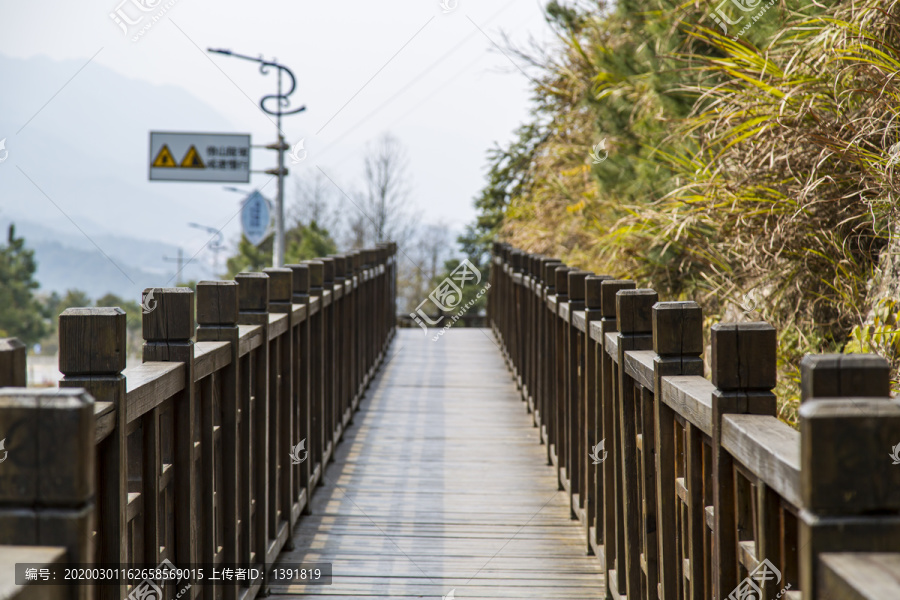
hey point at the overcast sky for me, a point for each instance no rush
(432, 78)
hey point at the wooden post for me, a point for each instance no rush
(168, 332)
(498, 297)
(516, 257)
(387, 310)
(678, 343)
(530, 278)
(507, 313)
(341, 323)
(377, 308)
(217, 317)
(328, 354)
(844, 375)
(634, 318)
(391, 323)
(99, 372)
(358, 365)
(535, 307)
(378, 295)
(547, 322)
(47, 479)
(850, 485)
(560, 372)
(541, 351)
(253, 309)
(384, 292)
(743, 371)
(591, 415)
(491, 299)
(316, 443)
(368, 311)
(355, 374)
(576, 454)
(344, 269)
(613, 530)
(301, 385)
(281, 408)
(13, 369)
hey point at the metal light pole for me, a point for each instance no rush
(283, 101)
(215, 246)
(178, 261)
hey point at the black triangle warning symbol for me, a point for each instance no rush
(192, 160)
(164, 158)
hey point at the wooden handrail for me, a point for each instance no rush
(860, 575)
(688, 486)
(149, 385)
(192, 448)
(768, 448)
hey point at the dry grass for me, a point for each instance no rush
(778, 182)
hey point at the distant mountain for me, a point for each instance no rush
(71, 261)
(75, 178)
(61, 268)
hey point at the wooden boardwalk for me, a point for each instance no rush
(440, 486)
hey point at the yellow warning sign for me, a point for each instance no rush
(209, 157)
(164, 158)
(192, 160)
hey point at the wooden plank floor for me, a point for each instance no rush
(440, 485)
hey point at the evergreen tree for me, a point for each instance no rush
(302, 242)
(21, 315)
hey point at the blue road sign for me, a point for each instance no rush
(255, 218)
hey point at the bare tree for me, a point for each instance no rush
(422, 264)
(384, 200)
(433, 246)
(316, 200)
(357, 225)
(383, 214)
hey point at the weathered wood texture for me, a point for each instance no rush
(859, 576)
(188, 457)
(440, 486)
(47, 481)
(688, 487)
(12, 363)
(683, 487)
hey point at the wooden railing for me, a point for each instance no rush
(685, 485)
(187, 457)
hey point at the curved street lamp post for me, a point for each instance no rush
(283, 102)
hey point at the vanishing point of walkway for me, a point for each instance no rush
(440, 486)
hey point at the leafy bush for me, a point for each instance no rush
(761, 166)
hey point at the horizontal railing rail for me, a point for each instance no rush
(689, 487)
(209, 451)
